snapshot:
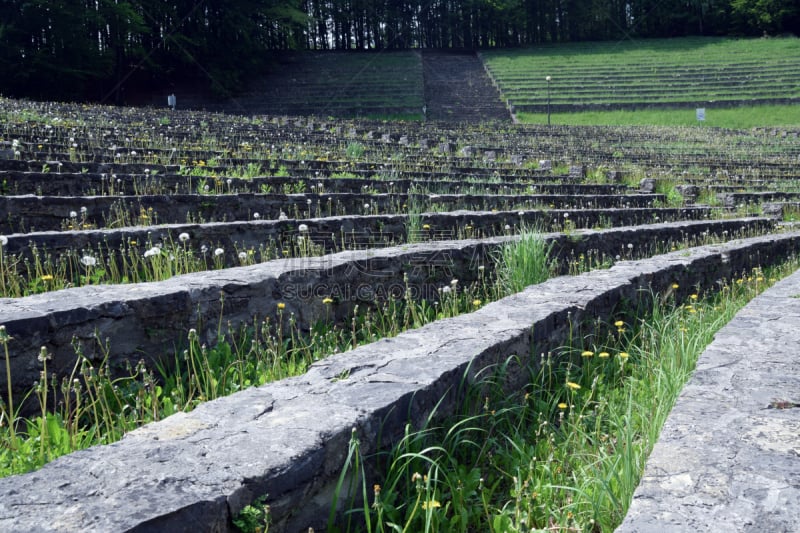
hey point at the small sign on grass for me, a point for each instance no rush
(700, 112)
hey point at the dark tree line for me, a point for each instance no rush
(93, 49)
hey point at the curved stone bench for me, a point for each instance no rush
(192, 472)
(728, 458)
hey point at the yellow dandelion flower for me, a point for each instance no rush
(431, 504)
(692, 310)
(476, 303)
(327, 301)
(587, 353)
(619, 323)
(47, 277)
(426, 226)
(562, 406)
(623, 355)
(603, 355)
(621, 330)
(281, 305)
(133, 243)
(572, 385)
(675, 285)
(693, 297)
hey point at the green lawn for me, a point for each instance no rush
(735, 118)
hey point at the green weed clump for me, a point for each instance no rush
(524, 262)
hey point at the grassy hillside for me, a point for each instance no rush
(611, 79)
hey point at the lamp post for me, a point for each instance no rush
(548, 79)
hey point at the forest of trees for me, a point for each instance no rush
(94, 49)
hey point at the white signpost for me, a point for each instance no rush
(700, 112)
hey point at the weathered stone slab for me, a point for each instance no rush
(728, 458)
(289, 439)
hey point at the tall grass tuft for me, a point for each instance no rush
(524, 262)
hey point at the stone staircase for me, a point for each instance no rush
(458, 89)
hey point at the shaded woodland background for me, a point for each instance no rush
(100, 50)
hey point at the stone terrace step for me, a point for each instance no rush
(458, 89)
(728, 458)
(192, 472)
(51, 213)
(149, 319)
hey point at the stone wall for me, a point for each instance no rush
(50, 213)
(151, 320)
